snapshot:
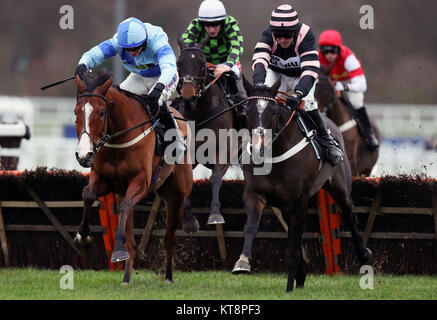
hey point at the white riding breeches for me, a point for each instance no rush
(287, 86)
(138, 84)
(355, 98)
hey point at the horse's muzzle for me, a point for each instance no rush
(86, 162)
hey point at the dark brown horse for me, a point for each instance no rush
(361, 158)
(125, 164)
(294, 177)
(203, 97)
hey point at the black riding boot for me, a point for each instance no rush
(239, 96)
(169, 122)
(369, 134)
(333, 153)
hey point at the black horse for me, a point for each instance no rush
(293, 179)
(203, 97)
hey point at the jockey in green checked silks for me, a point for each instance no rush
(223, 49)
(145, 52)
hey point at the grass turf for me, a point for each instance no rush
(37, 284)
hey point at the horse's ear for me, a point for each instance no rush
(204, 42)
(104, 87)
(80, 86)
(181, 42)
(275, 87)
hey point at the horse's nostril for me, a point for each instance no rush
(89, 156)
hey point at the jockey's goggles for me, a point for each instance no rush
(329, 49)
(211, 23)
(134, 49)
(284, 35)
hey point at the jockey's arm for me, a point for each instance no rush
(357, 80)
(309, 62)
(192, 33)
(100, 53)
(261, 57)
(235, 40)
(165, 58)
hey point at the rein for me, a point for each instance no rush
(104, 136)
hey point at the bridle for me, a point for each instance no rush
(189, 79)
(96, 145)
(278, 101)
(104, 136)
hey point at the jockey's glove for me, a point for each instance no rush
(81, 69)
(339, 86)
(294, 101)
(156, 92)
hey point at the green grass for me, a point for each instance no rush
(212, 285)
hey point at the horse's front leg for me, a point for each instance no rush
(254, 207)
(131, 246)
(293, 252)
(135, 192)
(95, 188)
(216, 180)
(190, 223)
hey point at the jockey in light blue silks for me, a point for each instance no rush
(145, 52)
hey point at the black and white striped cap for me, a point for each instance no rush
(284, 18)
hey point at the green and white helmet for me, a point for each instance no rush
(211, 10)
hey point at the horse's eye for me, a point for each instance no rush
(102, 113)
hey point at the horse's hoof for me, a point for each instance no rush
(289, 288)
(79, 240)
(168, 281)
(118, 256)
(124, 284)
(369, 257)
(191, 226)
(88, 240)
(216, 218)
(241, 266)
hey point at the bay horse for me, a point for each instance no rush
(294, 178)
(117, 140)
(362, 159)
(203, 97)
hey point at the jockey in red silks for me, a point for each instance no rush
(348, 77)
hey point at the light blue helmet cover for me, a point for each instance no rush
(131, 33)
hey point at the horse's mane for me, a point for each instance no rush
(93, 82)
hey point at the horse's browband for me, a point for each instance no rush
(191, 49)
(262, 97)
(89, 94)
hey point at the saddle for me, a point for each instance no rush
(150, 110)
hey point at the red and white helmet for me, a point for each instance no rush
(330, 38)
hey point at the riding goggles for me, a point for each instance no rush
(329, 49)
(211, 23)
(284, 35)
(134, 49)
